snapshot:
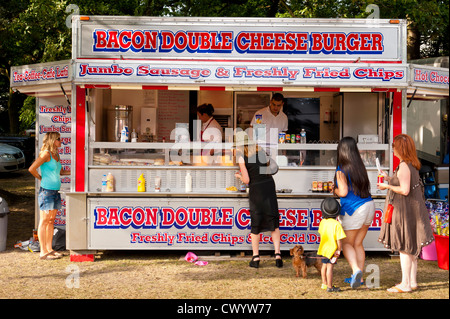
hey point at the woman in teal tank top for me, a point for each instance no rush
(49, 198)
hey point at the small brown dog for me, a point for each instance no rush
(302, 261)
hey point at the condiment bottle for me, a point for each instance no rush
(188, 186)
(110, 183)
(303, 136)
(141, 183)
(104, 183)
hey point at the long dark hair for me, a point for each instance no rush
(350, 162)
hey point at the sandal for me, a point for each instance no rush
(254, 263)
(49, 257)
(278, 261)
(333, 289)
(396, 290)
(43, 257)
(55, 253)
(412, 288)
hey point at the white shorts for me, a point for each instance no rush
(363, 215)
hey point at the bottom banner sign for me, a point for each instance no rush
(204, 223)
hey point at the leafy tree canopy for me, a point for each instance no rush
(33, 31)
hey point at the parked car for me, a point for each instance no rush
(25, 143)
(31, 131)
(11, 158)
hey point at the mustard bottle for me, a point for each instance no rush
(141, 183)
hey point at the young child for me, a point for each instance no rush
(331, 233)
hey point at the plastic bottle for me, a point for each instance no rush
(110, 183)
(303, 136)
(188, 187)
(157, 184)
(141, 183)
(124, 134)
(104, 183)
(134, 137)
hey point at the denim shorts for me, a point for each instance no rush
(49, 199)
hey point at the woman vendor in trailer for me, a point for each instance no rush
(211, 129)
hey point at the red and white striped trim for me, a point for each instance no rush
(239, 88)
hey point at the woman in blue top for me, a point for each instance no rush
(352, 185)
(49, 198)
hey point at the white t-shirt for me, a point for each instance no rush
(211, 131)
(279, 122)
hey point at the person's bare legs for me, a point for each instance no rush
(45, 231)
(408, 264)
(353, 248)
(348, 247)
(50, 229)
(276, 242)
(359, 247)
(413, 276)
(255, 245)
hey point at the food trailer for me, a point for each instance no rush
(147, 75)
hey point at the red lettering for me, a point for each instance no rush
(100, 39)
(151, 38)
(352, 42)
(101, 216)
(124, 39)
(316, 42)
(302, 39)
(168, 217)
(167, 40)
(114, 217)
(113, 41)
(138, 40)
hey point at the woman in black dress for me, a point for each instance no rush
(264, 215)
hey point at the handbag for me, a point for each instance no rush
(388, 214)
(272, 167)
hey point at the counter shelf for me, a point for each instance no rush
(130, 160)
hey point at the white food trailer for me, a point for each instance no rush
(339, 77)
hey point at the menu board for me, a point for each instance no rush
(55, 115)
(173, 107)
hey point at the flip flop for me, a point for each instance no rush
(55, 253)
(49, 257)
(43, 257)
(396, 290)
(412, 288)
(355, 281)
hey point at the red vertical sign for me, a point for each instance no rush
(396, 121)
(80, 127)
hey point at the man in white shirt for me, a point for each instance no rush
(274, 119)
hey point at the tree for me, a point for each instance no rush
(427, 19)
(33, 31)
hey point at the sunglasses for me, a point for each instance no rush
(58, 139)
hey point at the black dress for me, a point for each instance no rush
(264, 215)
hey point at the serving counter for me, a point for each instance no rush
(209, 216)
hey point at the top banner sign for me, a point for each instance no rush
(240, 39)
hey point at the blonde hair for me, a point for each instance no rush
(48, 143)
